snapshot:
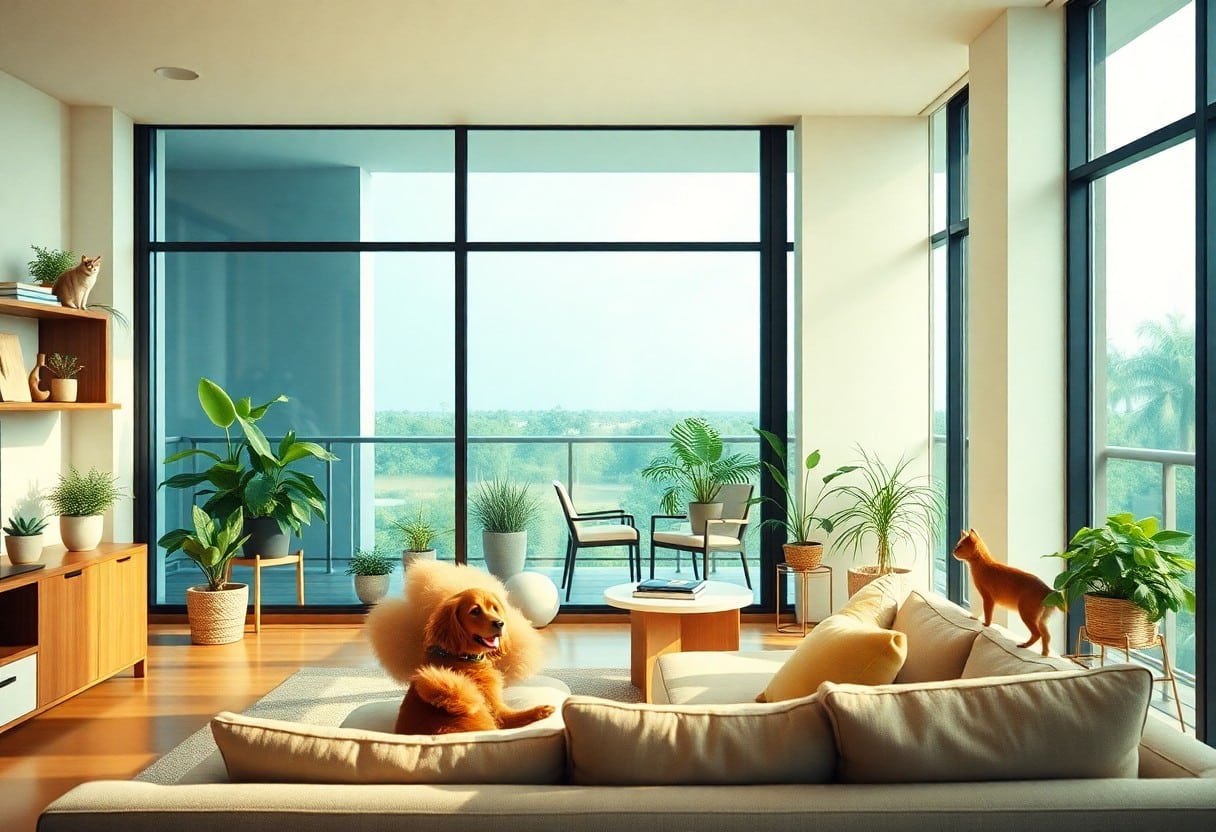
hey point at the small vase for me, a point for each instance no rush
(24, 548)
(63, 389)
(37, 394)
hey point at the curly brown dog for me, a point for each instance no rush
(457, 689)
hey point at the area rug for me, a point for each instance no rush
(326, 695)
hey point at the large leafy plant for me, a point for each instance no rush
(695, 469)
(1135, 560)
(800, 515)
(212, 545)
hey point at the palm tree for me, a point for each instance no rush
(1157, 382)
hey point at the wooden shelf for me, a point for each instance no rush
(38, 407)
(47, 311)
(10, 653)
(83, 333)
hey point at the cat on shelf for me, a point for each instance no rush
(999, 583)
(72, 287)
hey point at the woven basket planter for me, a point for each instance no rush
(1116, 622)
(803, 555)
(217, 617)
(863, 575)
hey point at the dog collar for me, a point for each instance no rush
(465, 657)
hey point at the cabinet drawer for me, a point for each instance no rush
(18, 688)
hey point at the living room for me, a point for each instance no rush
(536, 192)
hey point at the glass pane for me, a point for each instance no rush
(1143, 68)
(937, 458)
(307, 185)
(937, 158)
(791, 187)
(609, 186)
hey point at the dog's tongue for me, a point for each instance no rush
(492, 643)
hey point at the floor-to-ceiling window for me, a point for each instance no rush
(445, 306)
(1137, 419)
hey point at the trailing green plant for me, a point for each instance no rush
(417, 533)
(1135, 560)
(49, 263)
(21, 526)
(695, 469)
(250, 475)
(82, 495)
(371, 562)
(503, 505)
(885, 506)
(64, 365)
(800, 516)
(211, 545)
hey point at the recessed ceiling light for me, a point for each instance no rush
(176, 73)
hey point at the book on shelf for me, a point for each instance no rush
(26, 287)
(664, 588)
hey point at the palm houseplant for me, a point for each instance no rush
(23, 537)
(275, 498)
(418, 537)
(80, 500)
(887, 507)
(1130, 573)
(216, 610)
(372, 570)
(504, 508)
(800, 516)
(695, 469)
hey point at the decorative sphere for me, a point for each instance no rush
(535, 596)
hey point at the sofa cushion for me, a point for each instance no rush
(273, 751)
(876, 602)
(940, 635)
(617, 744)
(1040, 726)
(714, 677)
(995, 654)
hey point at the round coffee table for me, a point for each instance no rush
(660, 625)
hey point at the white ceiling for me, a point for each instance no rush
(494, 61)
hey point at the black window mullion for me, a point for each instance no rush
(461, 276)
(956, 329)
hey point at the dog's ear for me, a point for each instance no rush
(444, 628)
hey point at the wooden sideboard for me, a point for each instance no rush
(79, 620)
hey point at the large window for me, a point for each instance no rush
(446, 306)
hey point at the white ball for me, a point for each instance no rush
(535, 596)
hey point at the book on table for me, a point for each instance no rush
(676, 588)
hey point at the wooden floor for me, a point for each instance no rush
(119, 727)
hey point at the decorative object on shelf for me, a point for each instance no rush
(535, 595)
(14, 380)
(695, 469)
(37, 394)
(80, 500)
(800, 517)
(23, 538)
(419, 537)
(216, 611)
(887, 506)
(65, 367)
(73, 285)
(372, 570)
(253, 477)
(504, 508)
(48, 263)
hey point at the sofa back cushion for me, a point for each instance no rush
(995, 654)
(617, 744)
(273, 751)
(1040, 726)
(940, 635)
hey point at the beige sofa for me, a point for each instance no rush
(975, 734)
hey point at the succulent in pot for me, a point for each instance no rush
(23, 538)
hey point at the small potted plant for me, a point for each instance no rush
(80, 500)
(66, 368)
(695, 469)
(23, 538)
(1130, 572)
(371, 570)
(504, 508)
(49, 263)
(216, 611)
(418, 537)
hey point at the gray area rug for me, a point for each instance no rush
(326, 695)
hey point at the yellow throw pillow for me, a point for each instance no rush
(876, 602)
(839, 649)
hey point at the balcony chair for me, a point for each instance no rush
(590, 530)
(724, 535)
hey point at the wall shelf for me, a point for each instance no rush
(38, 407)
(83, 333)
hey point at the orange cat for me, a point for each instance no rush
(72, 287)
(999, 583)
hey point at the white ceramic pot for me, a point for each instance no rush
(371, 589)
(81, 534)
(408, 556)
(217, 617)
(505, 552)
(23, 548)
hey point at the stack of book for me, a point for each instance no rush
(31, 292)
(674, 589)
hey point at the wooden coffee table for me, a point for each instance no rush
(660, 625)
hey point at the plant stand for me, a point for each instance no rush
(1127, 646)
(802, 596)
(258, 563)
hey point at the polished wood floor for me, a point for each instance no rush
(117, 728)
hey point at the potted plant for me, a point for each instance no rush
(887, 506)
(800, 517)
(275, 499)
(1130, 572)
(216, 611)
(504, 508)
(371, 570)
(418, 536)
(80, 500)
(23, 538)
(49, 263)
(695, 469)
(65, 367)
